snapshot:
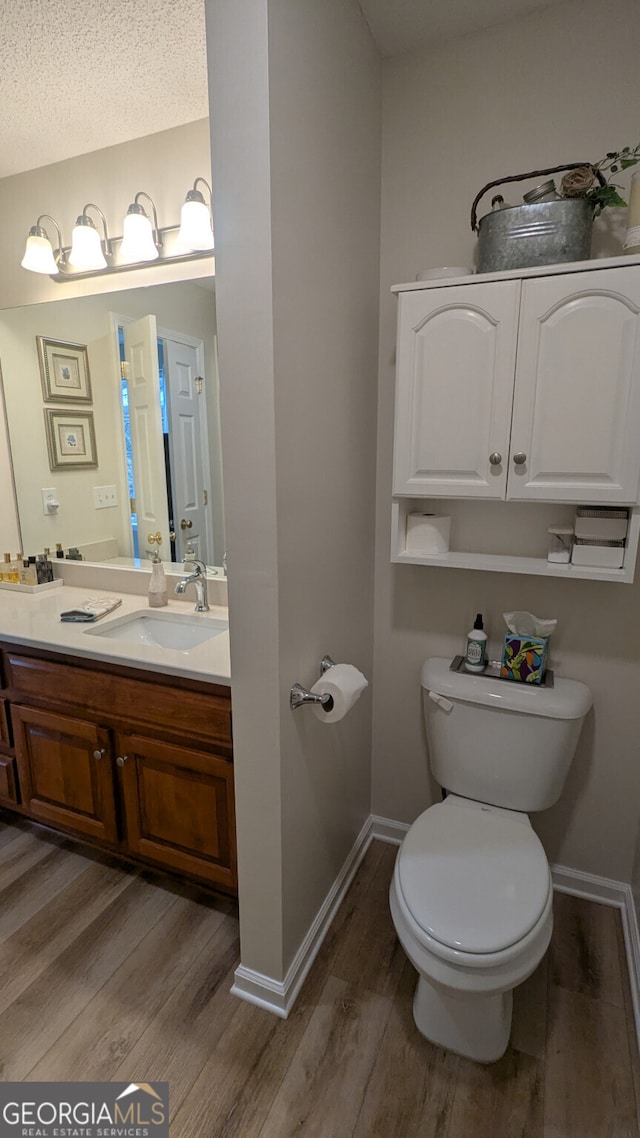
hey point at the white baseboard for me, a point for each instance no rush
(279, 996)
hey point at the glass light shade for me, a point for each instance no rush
(195, 227)
(137, 239)
(86, 249)
(38, 256)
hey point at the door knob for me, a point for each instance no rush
(121, 760)
(495, 458)
(185, 524)
(520, 458)
(99, 754)
(153, 537)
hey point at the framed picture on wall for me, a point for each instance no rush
(71, 439)
(64, 371)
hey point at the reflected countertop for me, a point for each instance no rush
(33, 619)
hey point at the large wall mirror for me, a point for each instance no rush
(112, 410)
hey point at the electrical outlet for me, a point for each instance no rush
(50, 503)
(104, 496)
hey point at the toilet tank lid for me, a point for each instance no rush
(567, 699)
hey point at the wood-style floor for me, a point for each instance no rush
(111, 975)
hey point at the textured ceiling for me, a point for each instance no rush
(79, 75)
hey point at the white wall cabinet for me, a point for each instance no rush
(519, 387)
(523, 389)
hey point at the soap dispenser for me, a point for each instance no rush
(158, 584)
(475, 657)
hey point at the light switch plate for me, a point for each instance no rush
(49, 494)
(104, 496)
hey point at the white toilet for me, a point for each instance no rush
(471, 893)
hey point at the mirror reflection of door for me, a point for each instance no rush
(167, 440)
(186, 404)
(142, 373)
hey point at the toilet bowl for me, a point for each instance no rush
(471, 900)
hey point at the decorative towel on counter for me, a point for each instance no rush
(95, 608)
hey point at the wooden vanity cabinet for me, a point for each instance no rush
(133, 760)
(9, 793)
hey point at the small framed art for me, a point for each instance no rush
(71, 439)
(64, 371)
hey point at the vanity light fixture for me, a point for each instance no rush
(38, 254)
(196, 228)
(86, 246)
(143, 241)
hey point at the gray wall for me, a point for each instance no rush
(559, 86)
(295, 117)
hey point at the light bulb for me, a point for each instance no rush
(86, 248)
(195, 225)
(137, 238)
(38, 254)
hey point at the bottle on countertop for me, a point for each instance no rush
(59, 550)
(475, 657)
(27, 574)
(44, 568)
(158, 596)
(9, 571)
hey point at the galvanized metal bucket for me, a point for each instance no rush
(525, 236)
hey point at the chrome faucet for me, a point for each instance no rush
(197, 577)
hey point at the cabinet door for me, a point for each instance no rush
(66, 775)
(455, 367)
(576, 414)
(179, 807)
(9, 791)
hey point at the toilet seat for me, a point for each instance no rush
(473, 879)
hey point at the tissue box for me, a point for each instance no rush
(524, 658)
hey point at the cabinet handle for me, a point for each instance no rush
(520, 458)
(100, 754)
(495, 458)
(121, 760)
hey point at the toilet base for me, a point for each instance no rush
(476, 1027)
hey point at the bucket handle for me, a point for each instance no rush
(522, 177)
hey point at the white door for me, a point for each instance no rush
(186, 401)
(454, 388)
(147, 441)
(576, 415)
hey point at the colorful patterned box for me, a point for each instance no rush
(524, 658)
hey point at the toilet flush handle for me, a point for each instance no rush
(445, 704)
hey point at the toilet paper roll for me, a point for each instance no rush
(345, 684)
(427, 533)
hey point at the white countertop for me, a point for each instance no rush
(34, 619)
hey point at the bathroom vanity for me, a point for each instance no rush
(134, 755)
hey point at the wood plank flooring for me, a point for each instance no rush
(113, 975)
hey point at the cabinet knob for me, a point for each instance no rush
(495, 458)
(520, 458)
(121, 760)
(100, 754)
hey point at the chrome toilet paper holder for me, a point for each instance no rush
(299, 696)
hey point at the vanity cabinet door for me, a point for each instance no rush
(66, 774)
(9, 791)
(576, 411)
(179, 807)
(455, 367)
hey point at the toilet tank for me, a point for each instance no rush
(498, 741)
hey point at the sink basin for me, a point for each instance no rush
(162, 629)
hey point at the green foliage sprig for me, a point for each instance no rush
(582, 182)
